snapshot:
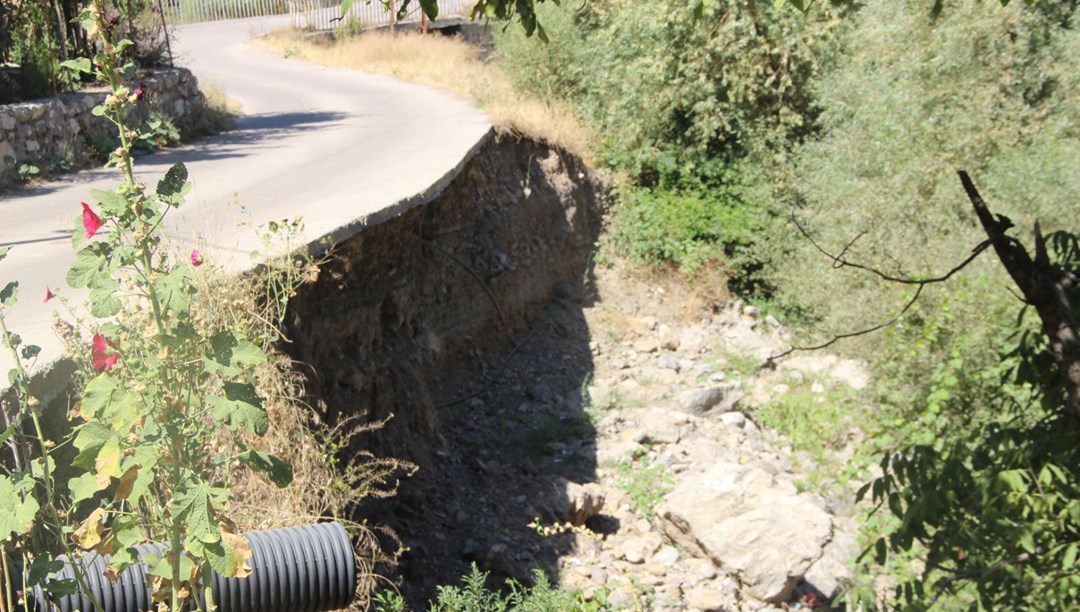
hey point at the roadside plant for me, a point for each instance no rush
(169, 404)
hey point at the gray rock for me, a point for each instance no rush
(668, 361)
(722, 398)
(733, 419)
(763, 532)
(708, 599)
(691, 341)
(661, 426)
(579, 503)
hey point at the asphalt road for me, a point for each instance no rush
(341, 149)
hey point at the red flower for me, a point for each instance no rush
(102, 359)
(90, 221)
(48, 295)
(196, 258)
(140, 91)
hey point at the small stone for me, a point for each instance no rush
(733, 419)
(542, 394)
(7, 122)
(723, 397)
(705, 599)
(621, 597)
(667, 556)
(582, 502)
(668, 362)
(751, 312)
(771, 321)
(817, 387)
(499, 560)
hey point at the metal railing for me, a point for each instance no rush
(312, 14)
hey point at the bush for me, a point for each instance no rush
(693, 109)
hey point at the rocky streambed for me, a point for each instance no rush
(615, 446)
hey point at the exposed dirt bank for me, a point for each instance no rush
(583, 421)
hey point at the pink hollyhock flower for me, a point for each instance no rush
(90, 221)
(140, 91)
(48, 295)
(196, 258)
(103, 360)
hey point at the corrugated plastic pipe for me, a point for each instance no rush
(296, 569)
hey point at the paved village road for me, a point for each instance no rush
(340, 148)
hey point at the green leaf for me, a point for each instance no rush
(97, 396)
(89, 440)
(281, 473)
(19, 507)
(173, 181)
(9, 293)
(1027, 540)
(89, 264)
(228, 556)
(104, 300)
(80, 64)
(240, 408)
(194, 508)
(82, 487)
(110, 201)
(7, 433)
(4, 250)
(232, 355)
(881, 553)
(174, 289)
(1069, 559)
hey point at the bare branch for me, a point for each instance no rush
(838, 337)
(839, 261)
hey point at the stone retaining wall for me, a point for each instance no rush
(63, 129)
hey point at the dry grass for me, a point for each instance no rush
(446, 63)
(324, 485)
(219, 111)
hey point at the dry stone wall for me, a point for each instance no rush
(50, 130)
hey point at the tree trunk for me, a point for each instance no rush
(1045, 287)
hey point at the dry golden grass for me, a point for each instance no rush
(323, 484)
(446, 63)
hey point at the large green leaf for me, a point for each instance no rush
(239, 408)
(174, 183)
(19, 507)
(89, 264)
(104, 300)
(9, 293)
(82, 487)
(111, 202)
(97, 396)
(194, 508)
(174, 289)
(232, 355)
(280, 472)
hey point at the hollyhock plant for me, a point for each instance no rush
(91, 222)
(48, 295)
(102, 359)
(196, 258)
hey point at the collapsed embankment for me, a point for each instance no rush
(406, 305)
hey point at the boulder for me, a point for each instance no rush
(760, 530)
(721, 398)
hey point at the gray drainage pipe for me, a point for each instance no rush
(296, 569)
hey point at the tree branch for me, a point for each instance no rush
(1045, 286)
(840, 261)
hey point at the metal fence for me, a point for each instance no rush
(194, 11)
(313, 14)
